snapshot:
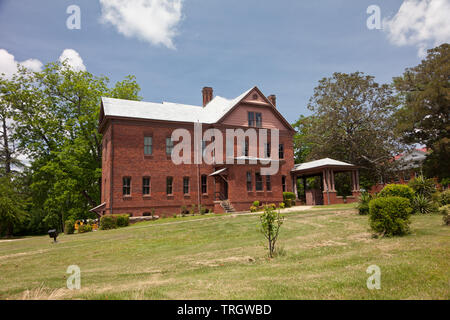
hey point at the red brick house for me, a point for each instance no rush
(139, 176)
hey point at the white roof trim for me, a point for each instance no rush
(320, 163)
(99, 206)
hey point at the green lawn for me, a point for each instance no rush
(326, 252)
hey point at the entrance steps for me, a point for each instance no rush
(227, 206)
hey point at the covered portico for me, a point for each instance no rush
(325, 168)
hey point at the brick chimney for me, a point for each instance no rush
(273, 99)
(207, 95)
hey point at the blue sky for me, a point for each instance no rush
(283, 47)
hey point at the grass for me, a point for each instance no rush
(325, 254)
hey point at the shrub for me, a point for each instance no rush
(363, 203)
(69, 227)
(444, 198)
(287, 203)
(390, 215)
(122, 220)
(273, 206)
(271, 222)
(281, 205)
(108, 222)
(192, 211)
(422, 186)
(84, 228)
(253, 209)
(256, 203)
(288, 195)
(397, 190)
(184, 210)
(445, 211)
(422, 204)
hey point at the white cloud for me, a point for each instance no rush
(422, 23)
(8, 64)
(73, 59)
(153, 21)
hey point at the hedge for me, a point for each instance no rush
(114, 221)
(397, 190)
(69, 227)
(390, 215)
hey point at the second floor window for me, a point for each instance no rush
(204, 184)
(148, 145)
(246, 148)
(249, 181)
(169, 146)
(258, 182)
(251, 119)
(267, 150)
(255, 119)
(146, 185)
(126, 189)
(281, 151)
(258, 119)
(169, 185)
(186, 185)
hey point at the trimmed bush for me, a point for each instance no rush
(84, 228)
(256, 203)
(445, 211)
(444, 198)
(288, 203)
(397, 190)
(108, 222)
(253, 209)
(281, 206)
(69, 227)
(288, 195)
(389, 216)
(122, 220)
(422, 204)
(363, 203)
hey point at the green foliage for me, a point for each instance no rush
(271, 221)
(422, 204)
(287, 203)
(12, 206)
(69, 227)
(445, 182)
(343, 182)
(56, 113)
(84, 228)
(363, 203)
(108, 222)
(282, 205)
(422, 186)
(256, 203)
(423, 93)
(122, 220)
(253, 209)
(288, 195)
(444, 198)
(445, 211)
(397, 190)
(389, 216)
(273, 206)
(302, 146)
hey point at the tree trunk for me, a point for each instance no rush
(6, 147)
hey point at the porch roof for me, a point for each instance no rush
(315, 165)
(97, 208)
(215, 173)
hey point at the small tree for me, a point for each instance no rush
(271, 222)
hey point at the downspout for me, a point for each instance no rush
(112, 170)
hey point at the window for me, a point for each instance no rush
(148, 145)
(258, 182)
(126, 186)
(249, 181)
(267, 150)
(281, 151)
(406, 176)
(203, 147)
(146, 185)
(258, 118)
(246, 148)
(204, 184)
(268, 183)
(186, 185)
(169, 185)
(283, 183)
(169, 146)
(251, 119)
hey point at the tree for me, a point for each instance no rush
(12, 205)
(302, 147)
(56, 115)
(424, 93)
(271, 222)
(353, 123)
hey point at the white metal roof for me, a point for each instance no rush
(217, 172)
(169, 111)
(320, 163)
